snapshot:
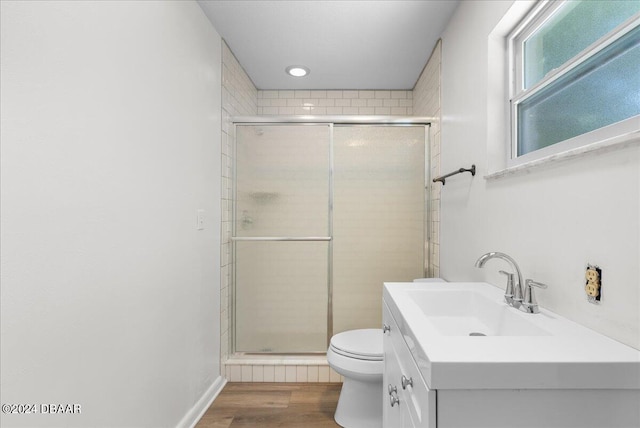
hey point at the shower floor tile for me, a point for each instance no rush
(273, 405)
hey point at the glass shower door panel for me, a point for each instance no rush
(282, 192)
(282, 180)
(378, 224)
(281, 297)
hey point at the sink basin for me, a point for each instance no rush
(470, 313)
(464, 336)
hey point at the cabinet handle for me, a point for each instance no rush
(385, 328)
(406, 382)
(393, 399)
(392, 389)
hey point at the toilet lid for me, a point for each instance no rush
(363, 344)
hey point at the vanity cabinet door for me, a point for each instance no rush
(417, 406)
(418, 398)
(395, 414)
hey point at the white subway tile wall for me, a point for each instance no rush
(280, 373)
(320, 103)
(426, 102)
(240, 97)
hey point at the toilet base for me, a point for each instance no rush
(360, 404)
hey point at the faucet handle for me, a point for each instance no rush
(531, 282)
(508, 291)
(530, 304)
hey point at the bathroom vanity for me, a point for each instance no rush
(456, 355)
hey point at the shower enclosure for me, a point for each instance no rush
(323, 213)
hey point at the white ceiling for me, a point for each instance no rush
(346, 44)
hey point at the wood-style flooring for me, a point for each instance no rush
(266, 405)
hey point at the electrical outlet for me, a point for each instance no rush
(593, 287)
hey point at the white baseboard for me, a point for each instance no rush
(193, 416)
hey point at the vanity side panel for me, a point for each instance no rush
(538, 408)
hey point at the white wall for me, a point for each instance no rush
(553, 220)
(110, 139)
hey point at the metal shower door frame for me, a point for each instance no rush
(331, 122)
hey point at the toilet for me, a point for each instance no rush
(357, 355)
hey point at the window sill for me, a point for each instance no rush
(621, 141)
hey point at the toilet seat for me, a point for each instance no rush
(364, 344)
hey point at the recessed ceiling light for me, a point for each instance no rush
(297, 71)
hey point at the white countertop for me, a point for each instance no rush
(566, 356)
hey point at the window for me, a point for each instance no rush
(574, 76)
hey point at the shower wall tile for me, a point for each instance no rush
(326, 102)
(258, 374)
(312, 374)
(366, 110)
(279, 374)
(302, 374)
(269, 374)
(269, 94)
(427, 102)
(234, 373)
(323, 374)
(334, 102)
(247, 374)
(335, 110)
(399, 111)
(239, 97)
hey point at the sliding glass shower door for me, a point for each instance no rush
(282, 238)
(378, 217)
(323, 215)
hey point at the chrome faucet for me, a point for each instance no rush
(514, 291)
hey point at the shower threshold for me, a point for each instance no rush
(246, 358)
